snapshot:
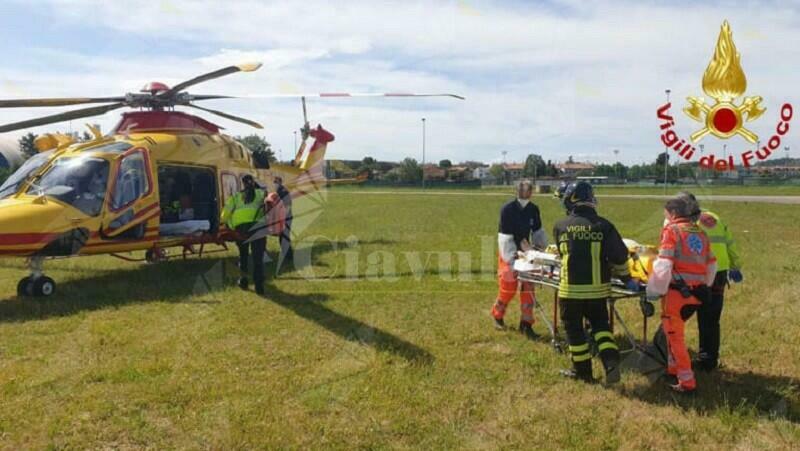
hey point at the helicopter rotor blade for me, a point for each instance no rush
(61, 117)
(227, 116)
(247, 67)
(348, 94)
(64, 101)
(192, 97)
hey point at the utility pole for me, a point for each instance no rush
(616, 164)
(702, 149)
(423, 153)
(505, 174)
(295, 140)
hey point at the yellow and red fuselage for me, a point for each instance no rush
(33, 223)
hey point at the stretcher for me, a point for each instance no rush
(543, 268)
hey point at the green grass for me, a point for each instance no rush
(174, 356)
(709, 190)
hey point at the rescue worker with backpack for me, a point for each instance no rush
(591, 251)
(729, 263)
(241, 213)
(681, 276)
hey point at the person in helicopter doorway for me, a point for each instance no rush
(242, 213)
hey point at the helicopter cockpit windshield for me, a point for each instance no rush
(77, 181)
(13, 182)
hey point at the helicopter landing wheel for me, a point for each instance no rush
(25, 287)
(44, 287)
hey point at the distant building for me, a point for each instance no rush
(481, 173)
(433, 172)
(514, 170)
(572, 169)
(459, 173)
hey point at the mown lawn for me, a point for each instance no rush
(705, 189)
(380, 339)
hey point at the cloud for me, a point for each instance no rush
(559, 78)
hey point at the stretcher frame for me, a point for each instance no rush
(548, 278)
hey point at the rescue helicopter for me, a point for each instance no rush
(158, 180)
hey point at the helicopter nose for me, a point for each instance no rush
(27, 226)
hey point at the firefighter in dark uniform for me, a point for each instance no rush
(520, 230)
(591, 250)
(241, 213)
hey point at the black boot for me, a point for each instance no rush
(612, 371)
(243, 283)
(527, 330)
(581, 371)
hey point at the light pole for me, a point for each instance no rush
(295, 140)
(616, 164)
(786, 148)
(423, 153)
(702, 149)
(666, 152)
(505, 174)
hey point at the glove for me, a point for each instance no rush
(735, 275)
(632, 285)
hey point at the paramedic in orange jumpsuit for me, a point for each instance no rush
(681, 276)
(520, 225)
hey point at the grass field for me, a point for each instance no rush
(381, 339)
(706, 190)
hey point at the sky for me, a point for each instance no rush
(558, 78)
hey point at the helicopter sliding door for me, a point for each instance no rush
(133, 202)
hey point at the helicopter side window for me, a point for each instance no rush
(132, 181)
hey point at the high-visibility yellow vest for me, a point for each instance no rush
(722, 244)
(237, 212)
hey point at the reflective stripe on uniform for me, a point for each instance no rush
(571, 294)
(581, 357)
(579, 348)
(595, 262)
(607, 345)
(689, 277)
(622, 269)
(691, 258)
(603, 334)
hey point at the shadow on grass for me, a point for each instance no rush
(727, 392)
(312, 308)
(161, 282)
(178, 280)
